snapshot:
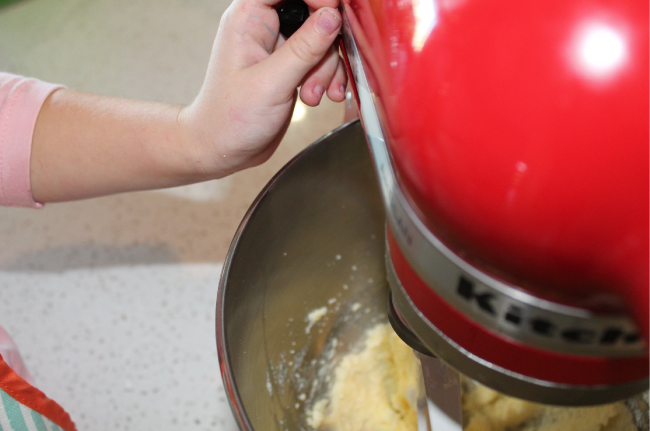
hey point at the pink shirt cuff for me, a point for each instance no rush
(21, 100)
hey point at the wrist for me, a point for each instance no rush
(203, 140)
(190, 144)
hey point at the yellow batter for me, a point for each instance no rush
(487, 410)
(376, 390)
(373, 390)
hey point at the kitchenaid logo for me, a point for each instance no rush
(489, 303)
(401, 224)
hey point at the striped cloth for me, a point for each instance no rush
(15, 416)
(25, 408)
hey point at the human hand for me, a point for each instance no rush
(86, 145)
(246, 102)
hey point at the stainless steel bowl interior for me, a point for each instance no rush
(312, 239)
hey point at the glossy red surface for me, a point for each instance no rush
(509, 354)
(520, 133)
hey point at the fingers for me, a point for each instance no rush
(329, 76)
(278, 43)
(247, 34)
(304, 50)
(317, 4)
(336, 90)
(314, 4)
(317, 81)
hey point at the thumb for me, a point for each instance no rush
(305, 48)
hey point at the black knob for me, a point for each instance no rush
(292, 14)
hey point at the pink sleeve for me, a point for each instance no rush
(20, 102)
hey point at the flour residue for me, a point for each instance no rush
(269, 386)
(313, 317)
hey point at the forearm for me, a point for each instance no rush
(86, 145)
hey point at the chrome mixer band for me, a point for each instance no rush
(499, 378)
(505, 309)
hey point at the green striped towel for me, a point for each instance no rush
(16, 417)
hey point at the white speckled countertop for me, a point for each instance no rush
(112, 300)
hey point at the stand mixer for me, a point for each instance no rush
(510, 140)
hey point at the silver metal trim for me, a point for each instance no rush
(503, 308)
(496, 377)
(442, 393)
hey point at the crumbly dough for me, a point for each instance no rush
(375, 389)
(487, 410)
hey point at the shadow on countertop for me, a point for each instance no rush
(90, 256)
(134, 229)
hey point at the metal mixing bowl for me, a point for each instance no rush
(313, 238)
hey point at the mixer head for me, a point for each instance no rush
(511, 144)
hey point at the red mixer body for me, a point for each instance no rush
(518, 132)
